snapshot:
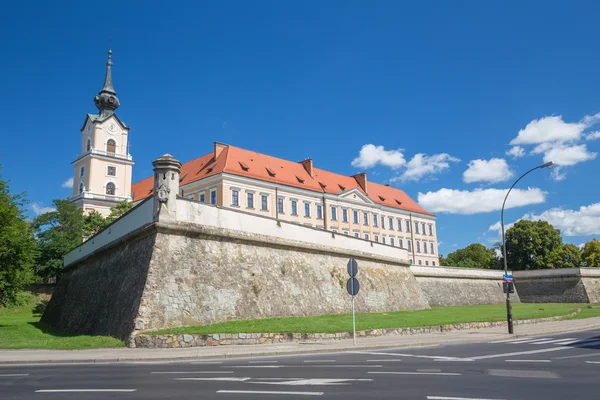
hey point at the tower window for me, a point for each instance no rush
(81, 171)
(81, 188)
(88, 146)
(111, 170)
(110, 188)
(111, 146)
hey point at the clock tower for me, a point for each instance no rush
(102, 175)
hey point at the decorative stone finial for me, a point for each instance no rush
(166, 187)
(107, 101)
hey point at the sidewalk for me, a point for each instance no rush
(222, 352)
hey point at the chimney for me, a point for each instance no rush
(219, 147)
(361, 179)
(308, 166)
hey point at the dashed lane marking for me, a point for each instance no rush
(415, 373)
(7, 375)
(529, 361)
(193, 372)
(225, 379)
(319, 361)
(554, 341)
(593, 362)
(263, 362)
(516, 340)
(82, 390)
(406, 355)
(270, 392)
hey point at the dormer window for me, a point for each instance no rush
(300, 179)
(342, 187)
(270, 172)
(111, 146)
(244, 166)
(110, 188)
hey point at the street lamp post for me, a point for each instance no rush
(508, 305)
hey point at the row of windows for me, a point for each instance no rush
(307, 212)
(111, 170)
(427, 262)
(110, 189)
(111, 146)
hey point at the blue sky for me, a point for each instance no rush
(411, 92)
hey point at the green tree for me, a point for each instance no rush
(92, 223)
(591, 254)
(58, 232)
(567, 256)
(18, 250)
(474, 255)
(529, 245)
(118, 210)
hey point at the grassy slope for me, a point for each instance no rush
(343, 322)
(20, 328)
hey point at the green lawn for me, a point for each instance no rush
(20, 328)
(403, 319)
(588, 311)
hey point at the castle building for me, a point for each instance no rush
(298, 192)
(102, 170)
(251, 182)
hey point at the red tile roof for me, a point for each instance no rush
(236, 161)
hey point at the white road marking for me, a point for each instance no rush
(519, 353)
(554, 341)
(206, 362)
(312, 382)
(269, 392)
(415, 373)
(384, 360)
(529, 361)
(14, 374)
(193, 372)
(318, 361)
(593, 362)
(456, 360)
(263, 362)
(253, 366)
(406, 355)
(456, 398)
(82, 390)
(517, 340)
(227, 379)
(339, 366)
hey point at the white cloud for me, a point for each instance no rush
(593, 135)
(516, 152)
(39, 209)
(551, 129)
(422, 165)
(478, 201)
(68, 183)
(585, 221)
(371, 155)
(493, 170)
(557, 174)
(497, 227)
(564, 155)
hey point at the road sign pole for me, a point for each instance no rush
(353, 318)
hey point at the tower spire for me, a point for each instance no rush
(106, 101)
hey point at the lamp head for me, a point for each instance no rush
(549, 164)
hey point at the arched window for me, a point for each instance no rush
(110, 188)
(81, 188)
(88, 146)
(111, 146)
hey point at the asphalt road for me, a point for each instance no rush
(550, 367)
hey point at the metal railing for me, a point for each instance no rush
(98, 196)
(104, 153)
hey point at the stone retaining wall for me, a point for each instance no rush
(450, 286)
(566, 285)
(188, 340)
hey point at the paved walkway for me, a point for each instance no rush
(220, 352)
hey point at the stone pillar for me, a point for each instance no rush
(166, 187)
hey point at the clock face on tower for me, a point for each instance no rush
(112, 127)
